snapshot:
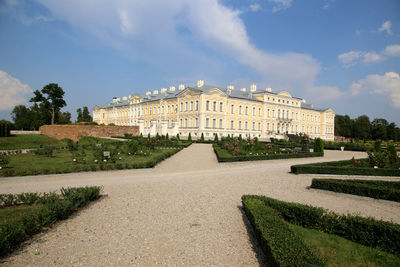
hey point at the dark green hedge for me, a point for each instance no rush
(374, 189)
(5, 128)
(347, 147)
(55, 207)
(343, 167)
(224, 156)
(366, 231)
(281, 246)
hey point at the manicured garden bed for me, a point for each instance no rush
(283, 230)
(91, 154)
(237, 149)
(26, 214)
(375, 189)
(345, 167)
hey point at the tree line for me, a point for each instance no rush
(46, 109)
(363, 128)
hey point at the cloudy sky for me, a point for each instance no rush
(334, 53)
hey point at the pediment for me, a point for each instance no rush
(215, 91)
(189, 91)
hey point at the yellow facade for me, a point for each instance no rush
(213, 110)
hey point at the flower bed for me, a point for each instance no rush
(91, 154)
(237, 149)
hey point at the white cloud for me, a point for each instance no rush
(352, 58)
(255, 7)
(280, 4)
(12, 91)
(325, 93)
(372, 57)
(392, 50)
(153, 24)
(387, 84)
(386, 27)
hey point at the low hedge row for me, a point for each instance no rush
(224, 156)
(374, 189)
(6, 172)
(55, 207)
(366, 231)
(347, 147)
(281, 246)
(342, 168)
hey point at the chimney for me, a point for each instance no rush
(172, 88)
(200, 83)
(163, 90)
(148, 93)
(253, 88)
(268, 89)
(230, 87)
(181, 86)
(124, 98)
(155, 92)
(243, 89)
(115, 99)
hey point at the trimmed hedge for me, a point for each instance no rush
(366, 231)
(282, 247)
(342, 168)
(224, 156)
(55, 207)
(374, 189)
(5, 128)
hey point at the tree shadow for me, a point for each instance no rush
(253, 240)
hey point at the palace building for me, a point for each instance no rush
(213, 110)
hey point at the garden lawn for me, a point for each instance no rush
(338, 251)
(62, 162)
(24, 141)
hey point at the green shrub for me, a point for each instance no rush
(374, 189)
(45, 151)
(281, 246)
(366, 231)
(56, 207)
(318, 145)
(190, 138)
(5, 128)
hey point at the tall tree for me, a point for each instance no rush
(362, 128)
(86, 115)
(51, 97)
(379, 129)
(64, 117)
(83, 115)
(22, 117)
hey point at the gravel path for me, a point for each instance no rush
(184, 212)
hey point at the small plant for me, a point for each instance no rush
(190, 138)
(202, 137)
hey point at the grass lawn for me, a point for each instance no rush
(27, 141)
(15, 213)
(62, 162)
(337, 251)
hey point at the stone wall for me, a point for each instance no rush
(76, 132)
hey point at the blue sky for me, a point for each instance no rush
(333, 53)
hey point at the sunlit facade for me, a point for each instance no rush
(218, 111)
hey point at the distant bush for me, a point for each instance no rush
(5, 128)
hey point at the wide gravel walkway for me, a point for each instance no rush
(184, 212)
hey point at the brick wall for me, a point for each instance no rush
(76, 132)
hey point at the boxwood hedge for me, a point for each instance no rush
(343, 167)
(366, 231)
(375, 189)
(53, 207)
(281, 246)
